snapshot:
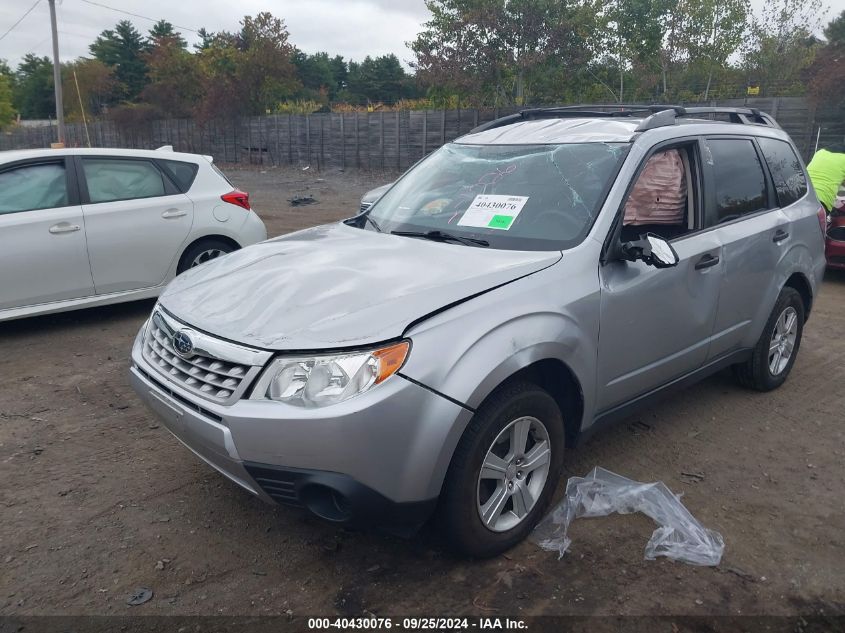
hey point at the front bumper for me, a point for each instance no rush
(834, 250)
(834, 253)
(378, 458)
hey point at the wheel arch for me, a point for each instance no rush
(203, 238)
(799, 282)
(556, 378)
(549, 373)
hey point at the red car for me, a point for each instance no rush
(835, 245)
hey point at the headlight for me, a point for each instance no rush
(318, 381)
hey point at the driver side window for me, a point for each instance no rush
(662, 200)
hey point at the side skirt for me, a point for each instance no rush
(626, 409)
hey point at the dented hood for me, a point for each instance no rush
(337, 286)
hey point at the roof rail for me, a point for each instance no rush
(746, 116)
(587, 110)
(660, 119)
(661, 115)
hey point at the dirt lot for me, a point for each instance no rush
(98, 499)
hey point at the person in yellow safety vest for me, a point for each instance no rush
(827, 173)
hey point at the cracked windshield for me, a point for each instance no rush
(527, 197)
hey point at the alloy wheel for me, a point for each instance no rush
(782, 343)
(204, 256)
(513, 474)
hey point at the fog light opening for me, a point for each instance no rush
(326, 503)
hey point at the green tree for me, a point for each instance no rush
(715, 32)
(780, 45)
(635, 34)
(316, 73)
(834, 32)
(492, 51)
(163, 31)
(826, 76)
(340, 71)
(175, 81)
(377, 79)
(264, 67)
(7, 110)
(218, 61)
(206, 38)
(96, 87)
(33, 88)
(122, 49)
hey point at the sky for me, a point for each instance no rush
(352, 28)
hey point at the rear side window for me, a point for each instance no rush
(739, 183)
(31, 187)
(122, 179)
(182, 173)
(789, 179)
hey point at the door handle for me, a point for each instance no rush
(780, 235)
(706, 262)
(173, 213)
(63, 227)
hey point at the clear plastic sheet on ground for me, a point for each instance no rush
(679, 536)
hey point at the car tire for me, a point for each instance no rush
(203, 251)
(769, 364)
(464, 498)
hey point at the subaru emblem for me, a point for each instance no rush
(182, 343)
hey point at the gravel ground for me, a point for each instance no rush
(98, 499)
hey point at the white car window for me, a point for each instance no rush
(31, 187)
(117, 179)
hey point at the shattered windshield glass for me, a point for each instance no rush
(516, 197)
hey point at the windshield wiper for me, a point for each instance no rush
(440, 236)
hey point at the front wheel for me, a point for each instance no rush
(504, 471)
(775, 352)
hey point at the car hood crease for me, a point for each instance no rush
(336, 286)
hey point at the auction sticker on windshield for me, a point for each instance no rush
(489, 211)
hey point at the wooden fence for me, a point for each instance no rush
(371, 141)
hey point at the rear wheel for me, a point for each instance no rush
(776, 350)
(504, 471)
(203, 251)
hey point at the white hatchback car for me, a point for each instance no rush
(85, 227)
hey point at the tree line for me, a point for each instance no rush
(470, 53)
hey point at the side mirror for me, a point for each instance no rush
(652, 249)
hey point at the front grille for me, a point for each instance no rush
(365, 206)
(191, 405)
(280, 485)
(220, 375)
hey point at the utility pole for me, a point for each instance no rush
(57, 74)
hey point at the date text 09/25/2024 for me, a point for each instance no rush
(417, 624)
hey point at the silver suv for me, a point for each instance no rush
(519, 288)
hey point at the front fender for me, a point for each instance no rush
(468, 351)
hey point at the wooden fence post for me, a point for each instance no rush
(381, 137)
(290, 140)
(308, 138)
(357, 142)
(424, 133)
(342, 144)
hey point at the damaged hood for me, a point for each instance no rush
(337, 286)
